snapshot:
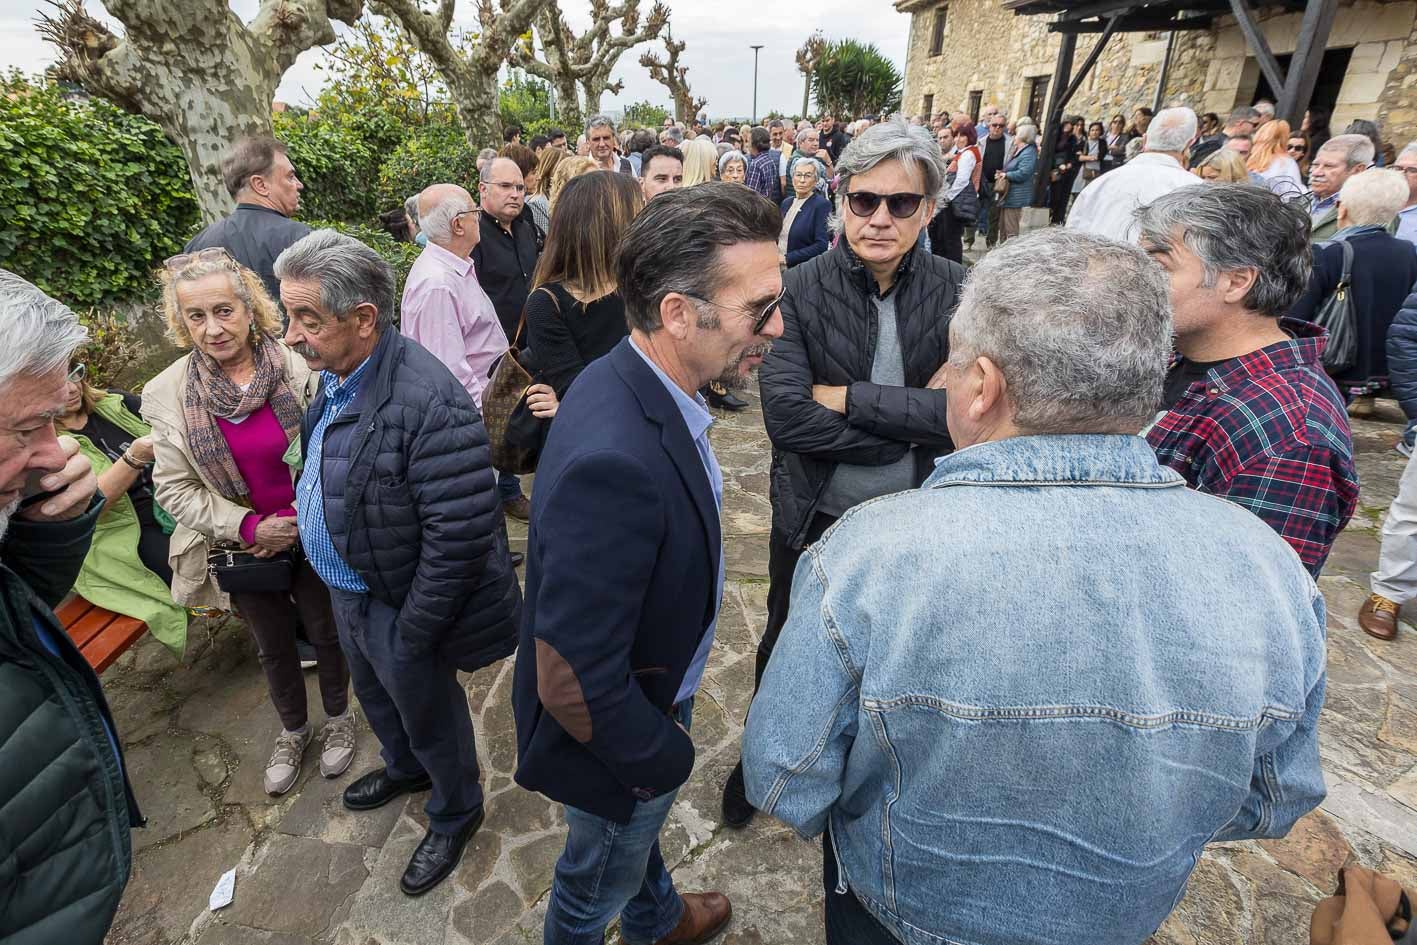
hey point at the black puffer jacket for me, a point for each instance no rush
(1402, 355)
(829, 337)
(421, 522)
(65, 853)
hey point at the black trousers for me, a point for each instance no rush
(782, 564)
(947, 236)
(271, 618)
(416, 707)
(153, 545)
(1058, 193)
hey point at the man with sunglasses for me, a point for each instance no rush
(505, 258)
(625, 563)
(865, 327)
(994, 149)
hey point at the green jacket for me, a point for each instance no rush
(1327, 225)
(65, 850)
(113, 576)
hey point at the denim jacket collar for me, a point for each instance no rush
(1100, 458)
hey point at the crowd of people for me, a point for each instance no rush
(318, 462)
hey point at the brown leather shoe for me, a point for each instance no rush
(705, 915)
(1378, 617)
(518, 508)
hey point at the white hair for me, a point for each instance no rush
(1265, 108)
(40, 332)
(1373, 196)
(1410, 149)
(728, 157)
(437, 219)
(1026, 132)
(1356, 149)
(1171, 130)
(1080, 326)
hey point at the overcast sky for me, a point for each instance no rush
(717, 33)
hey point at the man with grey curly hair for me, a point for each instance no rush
(1052, 673)
(844, 390)
(68, 805)
(1249, 412)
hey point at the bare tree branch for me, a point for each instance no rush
(674, 77)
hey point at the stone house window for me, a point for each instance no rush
(976, 102)
(928, 108)
(937, 34)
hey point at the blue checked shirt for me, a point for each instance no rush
(310, 504)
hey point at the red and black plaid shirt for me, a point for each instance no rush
(1269, 431)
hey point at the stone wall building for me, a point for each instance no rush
(967, 53)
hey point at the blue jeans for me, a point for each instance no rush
(508, 486)
(609, 869)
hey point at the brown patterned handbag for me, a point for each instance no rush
(505, 392)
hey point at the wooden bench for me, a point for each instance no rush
(101, 635)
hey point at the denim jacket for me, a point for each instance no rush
(1029, 692)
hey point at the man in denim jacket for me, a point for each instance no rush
(1025, 729)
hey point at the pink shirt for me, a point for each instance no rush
(258, 446)
(446, 311)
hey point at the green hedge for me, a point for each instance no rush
(335, 164)
(91, 197)
(435, 154)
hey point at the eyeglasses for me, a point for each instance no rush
(1409, 171)
(519, 188)
(210, 254)
(476, 210)
(1296, 148)
(997, 124)
(760, 319)
(901, 206)
(77, 373)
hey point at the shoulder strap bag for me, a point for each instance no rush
(515, 433)
(1337, 316)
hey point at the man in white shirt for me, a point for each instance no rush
(1108, 206)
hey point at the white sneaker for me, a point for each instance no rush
(338, 750)
(284, 766)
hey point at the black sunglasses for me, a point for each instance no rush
(901, 206)
(760, 320)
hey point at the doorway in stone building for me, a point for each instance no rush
(1331, 73)
(1037, 98)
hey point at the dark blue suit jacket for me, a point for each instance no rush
(621, 575)
(809, 235)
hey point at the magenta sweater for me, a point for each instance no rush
(258, 444)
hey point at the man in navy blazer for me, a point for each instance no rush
(625, 563)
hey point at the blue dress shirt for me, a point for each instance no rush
(310, 504)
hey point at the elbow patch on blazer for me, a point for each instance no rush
(560, 691)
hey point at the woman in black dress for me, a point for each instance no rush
(574, 313)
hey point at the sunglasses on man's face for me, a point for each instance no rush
(901, 206)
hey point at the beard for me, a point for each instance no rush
(734, 379)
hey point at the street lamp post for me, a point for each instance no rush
(755, 81)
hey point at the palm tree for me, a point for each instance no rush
(855, 79)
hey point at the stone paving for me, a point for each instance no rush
(197, 736)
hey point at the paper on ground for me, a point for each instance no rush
(225, 890)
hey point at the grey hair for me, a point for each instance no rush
(728, 157)
(1080, 326)
(410, 207)
(1133, 148)
(438, 221)
(1171, 130)
(806, 162)
(40, 332)
(1234, 227)
(599, 121)
(349, 273)
(894, 140)
(1026, 131)
(1265, 108)
(1356, 149)
(1373, 196)
(675, 134)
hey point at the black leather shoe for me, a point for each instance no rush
(722, 398)
(376, 789)
(737, 812)
(437, 856)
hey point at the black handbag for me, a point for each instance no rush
(1337, 317)
(240, 572)
(965, 206)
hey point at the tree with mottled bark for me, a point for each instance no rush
(674, 77)
(469, 70)
(808, 56)
(587, 60)
(193, 67)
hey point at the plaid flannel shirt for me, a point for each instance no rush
(1269, 431)
(761, 174)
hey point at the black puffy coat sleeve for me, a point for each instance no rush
(455, 500)
(48, 556)
(797, 423)
(914, 414)
(1402, 355)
